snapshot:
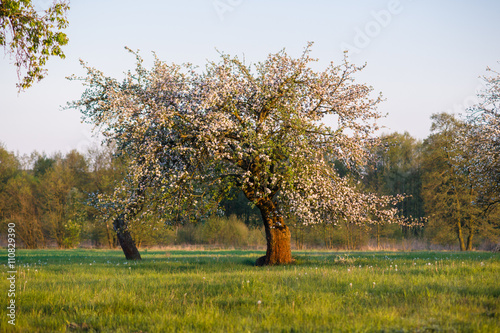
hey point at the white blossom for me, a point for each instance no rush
(189, 136)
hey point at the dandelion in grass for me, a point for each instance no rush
(350, 284)
(373, 284)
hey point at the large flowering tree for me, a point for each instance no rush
(191, 135)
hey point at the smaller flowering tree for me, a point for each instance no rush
(192, 136)
(480, 141)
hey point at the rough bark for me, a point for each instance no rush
(277, 235)
(125, 238)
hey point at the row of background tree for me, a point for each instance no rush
(47, 198)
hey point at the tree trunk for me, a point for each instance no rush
(469, 239)
(460, 236)
(459, 224)
(378, 237)
(277, 235)
(125, 239)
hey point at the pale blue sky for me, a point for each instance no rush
(424, 56)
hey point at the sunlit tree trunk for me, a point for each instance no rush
(125, 238)
(378, 237)
(459, 223)
(277, 235)
(469, 238)
(460, 236)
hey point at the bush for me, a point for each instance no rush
(187, 234)
(71, 237)
(223, 231)
(210, 231)
(234, 232)
(256, 236)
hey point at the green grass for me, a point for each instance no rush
(219, 291)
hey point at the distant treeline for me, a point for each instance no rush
(47, 197)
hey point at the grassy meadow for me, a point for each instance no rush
(221, 291)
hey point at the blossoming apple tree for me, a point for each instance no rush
(481, 142)
(191, 135)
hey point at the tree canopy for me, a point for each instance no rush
(481, 141)
(448, 192)
(32, 37)
(193, 135)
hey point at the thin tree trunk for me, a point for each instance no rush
(378, 237)
(459, 224)
(460, 236)
(469, 239)
(300, 230)
(125, 239)
(277, 235)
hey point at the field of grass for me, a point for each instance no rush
(221, 291)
